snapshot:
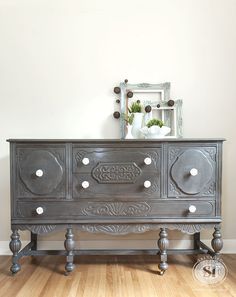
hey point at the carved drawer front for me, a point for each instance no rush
(125, 172)
(41, 172)
(86, 159)
(192, 171)
(122, 189)
(41, 210)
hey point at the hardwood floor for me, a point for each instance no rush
(110, 276)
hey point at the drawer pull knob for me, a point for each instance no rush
(85, 161)
(147, 184)
(192, 208)
(39, 210)
(147, 161)
(39, 172)
(85, 184)
(194, 172)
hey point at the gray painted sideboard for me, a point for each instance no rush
(115, 187)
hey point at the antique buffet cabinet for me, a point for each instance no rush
(115, 187)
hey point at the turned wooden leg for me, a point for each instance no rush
(217, 242)
(163, 244)
(69, 246)
(196, 240)
(34, 238)
(15, 246)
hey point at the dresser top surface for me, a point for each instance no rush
(108, 140)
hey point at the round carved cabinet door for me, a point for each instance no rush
(41, 172)
(191, 171)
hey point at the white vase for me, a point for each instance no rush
(137, 124)
(129, 132)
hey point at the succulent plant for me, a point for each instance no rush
(155, 122)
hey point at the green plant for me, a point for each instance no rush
(135, 107)
(155, 122)
(128, 118)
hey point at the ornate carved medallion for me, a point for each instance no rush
(180, 171)
(118, 173)
(49, 166)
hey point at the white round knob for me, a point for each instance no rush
(39, 172)
(147, 161)
(194, 172)
(147, 184)
(85, 184)
(85, 161)
(192, 208)
(39, 210)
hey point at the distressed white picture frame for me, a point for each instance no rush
(170, 115)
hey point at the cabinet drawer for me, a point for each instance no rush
(115, 156)
(116, 172)
(110, 190)
(112, 210)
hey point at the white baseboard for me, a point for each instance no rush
(229, 245)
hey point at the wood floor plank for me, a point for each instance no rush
(111, 276)
(119, 279)
(38, 279)
(9, 284)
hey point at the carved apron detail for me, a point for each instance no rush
(116, 229)
(117, 209)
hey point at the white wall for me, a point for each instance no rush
(59, 61)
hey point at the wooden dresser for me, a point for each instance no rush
(115, 187)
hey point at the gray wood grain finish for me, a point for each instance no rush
(117, 229)
(109, 155)
(196, 161)
(50, 161)
(44, 164)
(114, 200)
(108, 209)
(180, 162)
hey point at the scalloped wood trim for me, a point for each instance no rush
(116, 229)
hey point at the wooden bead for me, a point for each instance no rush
(217, 242)
(116, 115)
(69, 243)
(148, 108)
(15, 243)
(117, 90)
(163, 241)
(171, 103)
(130, 94)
